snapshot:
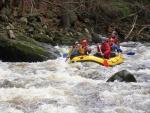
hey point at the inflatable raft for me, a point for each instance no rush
(112, 61)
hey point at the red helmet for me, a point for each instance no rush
(111, 40)
(84, 42)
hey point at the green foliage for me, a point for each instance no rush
(122, 8)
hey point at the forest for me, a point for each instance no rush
(130, 18)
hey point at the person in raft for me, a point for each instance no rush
(114, 47)
(73, 51)
(103, 50)
(113, 36)
(84, 48)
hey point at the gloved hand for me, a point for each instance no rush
(101, 53)
(66, 59)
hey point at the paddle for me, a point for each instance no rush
(65, 55)
(130, 53)
(105, 61)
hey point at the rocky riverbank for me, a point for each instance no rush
(23, 29)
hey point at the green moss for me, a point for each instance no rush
(23, 38)
(28, 48)
(43, 38)
(19, 50)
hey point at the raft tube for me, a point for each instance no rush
(86, 58)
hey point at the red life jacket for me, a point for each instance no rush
(105, 48)
(116, 41)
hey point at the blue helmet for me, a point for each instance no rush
(103, 38)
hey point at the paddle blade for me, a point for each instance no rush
(130, 53)
(65, 55)
(106, 63)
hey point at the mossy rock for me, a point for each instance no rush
(23, 51)
(43, 38)
(69, 40)
(58, 40)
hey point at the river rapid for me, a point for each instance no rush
(56, 86)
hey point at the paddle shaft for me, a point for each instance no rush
(105, 61)
(70, 54)
(101, 53)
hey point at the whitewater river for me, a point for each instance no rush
(54, 86)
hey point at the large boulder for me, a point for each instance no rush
(122, 76)
(68, 20)
(25, 50)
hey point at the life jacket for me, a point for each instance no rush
(84, 50)
(105, 48)
(116, 41)
(118, 44)
(75, 51)
(81, 50)
(107, 39)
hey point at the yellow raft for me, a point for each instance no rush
(112, 61)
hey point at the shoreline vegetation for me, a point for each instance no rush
(59, 22)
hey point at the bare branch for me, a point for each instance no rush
(133, 14)
(142, 29)
(132, 27)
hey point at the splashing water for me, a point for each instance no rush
(54, 86)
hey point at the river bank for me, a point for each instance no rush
(57, 23)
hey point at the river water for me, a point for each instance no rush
(54, 86)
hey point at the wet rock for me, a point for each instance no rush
(25, 49)
(68, 20)
(122, 76)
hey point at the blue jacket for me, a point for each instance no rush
(73, 51)
(115, 47)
